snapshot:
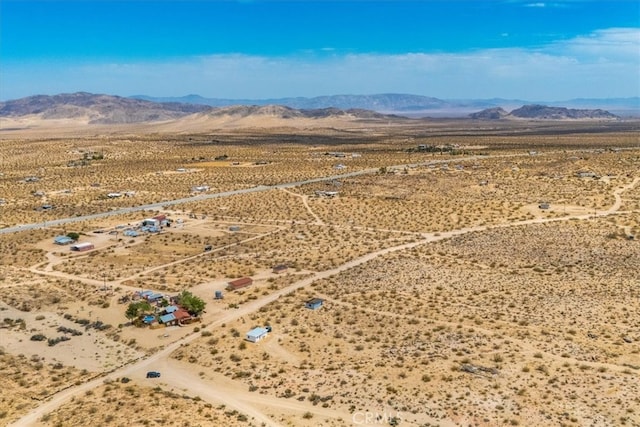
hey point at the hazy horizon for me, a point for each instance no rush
(264, 49)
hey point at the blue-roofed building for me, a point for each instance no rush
(154, 297)
(62, 240)
(168, 319)
(150, 229)
(256, 334)
(145, 294)
(170, 309)
(130, 233)
(314, 303)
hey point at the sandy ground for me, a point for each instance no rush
(417, 255)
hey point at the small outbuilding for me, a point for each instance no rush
(81, 247)
(314, 303)
(544, 205)
(239, 283)
(150, 222)
(280, 268)
(256, 334)
(62, 240)
(130, 233)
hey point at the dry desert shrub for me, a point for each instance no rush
(124, 404)
(29, 380)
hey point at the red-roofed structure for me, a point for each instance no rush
(240, 283)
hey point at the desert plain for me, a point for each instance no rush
(472, 273)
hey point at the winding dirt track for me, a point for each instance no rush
(248, 403)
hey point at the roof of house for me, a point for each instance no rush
(314, 301)
(167, 318)
(146, 293)
(171, 309)
(63, 239)
(242, 281)
(181, 314)
(155, 296)
(257, 332)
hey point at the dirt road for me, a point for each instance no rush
(243, 400)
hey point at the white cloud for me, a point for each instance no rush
(604, 63)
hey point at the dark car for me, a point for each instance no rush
(153, 374)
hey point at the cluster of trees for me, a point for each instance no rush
(193, 304)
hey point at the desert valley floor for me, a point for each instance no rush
(465, 273)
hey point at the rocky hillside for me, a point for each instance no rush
(543, 112)
(490, 114)
(103, 109)
(86, 108)
(292, 113)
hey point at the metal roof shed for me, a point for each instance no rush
(171, 308)
(82, 246)
(62, 240)
(256, 334)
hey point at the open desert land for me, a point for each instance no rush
(471, 273)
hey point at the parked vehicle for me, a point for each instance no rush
(153, 374)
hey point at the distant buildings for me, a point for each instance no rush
(239, 283)
(314, 303)
(256, 334)
(329, 194)
(82, 247)
(281, 268)
(200, 188)
(62, 240)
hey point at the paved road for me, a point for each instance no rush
(200, 197)
(259, 188)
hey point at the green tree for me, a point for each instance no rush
(135, 309)
(191, 303)
(73, 235)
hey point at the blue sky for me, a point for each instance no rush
(534, 50)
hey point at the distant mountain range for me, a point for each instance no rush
(90, 108)
(106, 109)
(96, 109)
(543, 112)
(411, 105)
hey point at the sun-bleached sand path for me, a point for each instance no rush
(305, 202)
